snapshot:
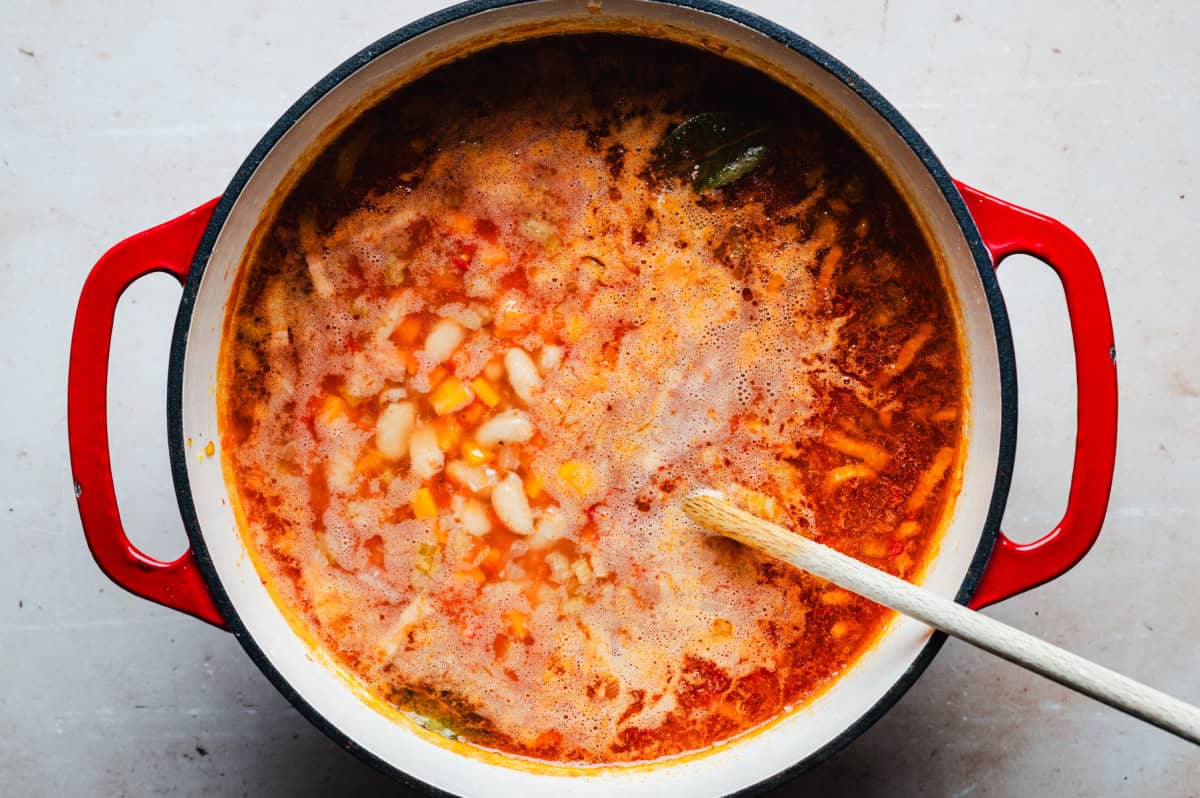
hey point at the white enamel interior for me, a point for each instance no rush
(737, 766)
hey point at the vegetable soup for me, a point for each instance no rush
(509, 317)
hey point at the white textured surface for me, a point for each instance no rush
(111, 121)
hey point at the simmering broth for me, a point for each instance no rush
(490, 339)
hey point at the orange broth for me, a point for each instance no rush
(487, 344)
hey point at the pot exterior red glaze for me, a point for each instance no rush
(971, 232)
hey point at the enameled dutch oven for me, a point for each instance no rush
(971, 231)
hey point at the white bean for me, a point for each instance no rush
(318, 273)
(513, 572)
(443, 339)
(276, 303)
(427, 457)
(560, 569)
(478, 479)
(582, 571)
(339, 471)
(550, 357)
(388, 395)
(537, 230)
(408, 618)
(599, 568)
(313, 257)
(485, 312)
(511, 505)
(363, 380)
(470, 316)
(411, 614)
(393, 429)
(551, 526)
(511, 426)
(471, 516)
(522, 373)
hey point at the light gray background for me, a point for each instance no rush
(116, 116)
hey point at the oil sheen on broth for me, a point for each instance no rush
(485, 347)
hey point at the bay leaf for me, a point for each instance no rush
(714, 149)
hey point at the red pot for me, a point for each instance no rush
(976, 564)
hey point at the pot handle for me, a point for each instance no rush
(169, 247)
(1006, 230)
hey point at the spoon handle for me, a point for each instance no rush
(713, 512)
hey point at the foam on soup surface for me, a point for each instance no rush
(488, 343)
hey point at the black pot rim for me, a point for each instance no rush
(983, 262)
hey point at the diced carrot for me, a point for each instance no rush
(578, 475)
(333, 407)
(409, 331)
(437, 375)
(518, 623)
(459, 222)
(874, 547)
(836, 598)
(491, 561)
(450, 396)
(510, 317)
(549, 326)
(485, 391)
(475, 454)
(410, 362)
(449, 432)
(473, 415)
(534, 486)
(423, 504)
(493, 256)
(841, 629)
(370, 462)
(574, 327)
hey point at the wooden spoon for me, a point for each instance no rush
(712, 511)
